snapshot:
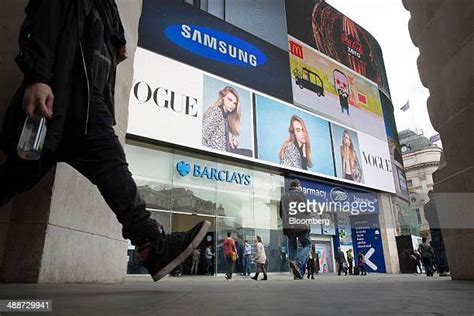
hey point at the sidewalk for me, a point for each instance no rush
(203, 295)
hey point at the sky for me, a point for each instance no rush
(387, 21)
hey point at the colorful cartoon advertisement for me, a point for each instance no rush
(322, 27)
(331, 90)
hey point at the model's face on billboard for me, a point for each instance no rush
(300, 132)
(230, 102)
(346, 139)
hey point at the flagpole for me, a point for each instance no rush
(412, 119)
(407, 107)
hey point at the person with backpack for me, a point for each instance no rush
(427, 256)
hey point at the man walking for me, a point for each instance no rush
(295, 199)
(437, 242)
(69, 51)
(341, 261)
(427, 256)
(230, 255)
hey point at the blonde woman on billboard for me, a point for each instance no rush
(221, 122)
(296, 151)
(350, 163)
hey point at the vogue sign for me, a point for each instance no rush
(165, 98)
(215, 45)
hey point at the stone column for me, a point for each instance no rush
(442, 30)
(388, 232)
(62, 230)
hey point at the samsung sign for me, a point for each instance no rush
(215, 45)
(184, 169)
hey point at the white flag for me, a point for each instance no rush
(406, 106)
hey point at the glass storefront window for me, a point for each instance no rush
(178, 196)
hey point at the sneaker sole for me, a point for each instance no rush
(295, 270)
(186, 253)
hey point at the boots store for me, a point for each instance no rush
(224, 113)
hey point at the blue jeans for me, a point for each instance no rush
(246, 264)
(299, 255)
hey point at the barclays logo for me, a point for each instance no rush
(183, 168)
(339, 195)
(215, 45)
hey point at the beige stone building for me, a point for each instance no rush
(421, 159)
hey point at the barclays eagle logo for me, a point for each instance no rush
(183, 168)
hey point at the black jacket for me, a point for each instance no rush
(294, 195)
(52, 51)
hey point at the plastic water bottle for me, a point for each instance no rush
(32, 137)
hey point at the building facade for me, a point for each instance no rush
(285, 81)
(421, 159)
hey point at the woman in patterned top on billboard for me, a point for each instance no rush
(350, 163)
(221, 122)
(296, 151)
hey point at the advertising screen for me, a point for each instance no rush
(182, 32)
(203, 83)
(200, 111)
(291, 137)
(332, 90)
(322, 27)
(399, 177)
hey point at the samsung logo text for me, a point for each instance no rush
(215, 45)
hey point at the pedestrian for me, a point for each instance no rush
(230, 255)
(317, 266)
(350, 260)
(260, 259)
(68, 54)
(295, 232)
(341, 262)
(247, 255)
(416, 257)
(312, 262)
(209, 256)
(427, 256)
(196, 259)
(361, 263)
(437, 242)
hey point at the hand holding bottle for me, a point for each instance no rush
(38, 96)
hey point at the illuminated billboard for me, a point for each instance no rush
(180, 31)
(322, 27)
(332, 90)
(202, 83)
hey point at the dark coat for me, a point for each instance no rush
(297, 196)
(51, 52)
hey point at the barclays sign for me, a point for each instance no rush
(215, 45)
(184, 169)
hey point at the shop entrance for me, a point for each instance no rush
(182, 222)
(323, 245)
